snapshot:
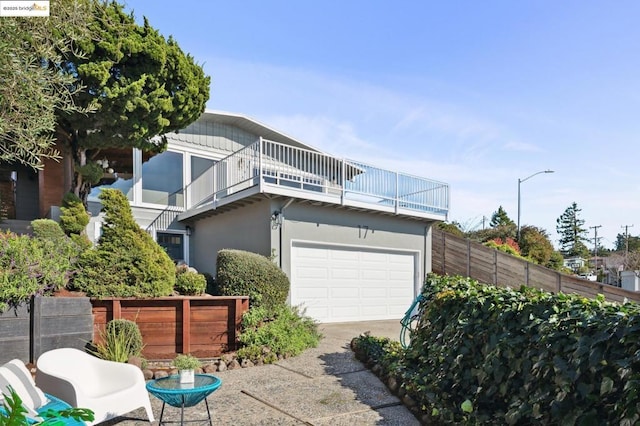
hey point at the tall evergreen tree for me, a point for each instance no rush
(572, 232)
(622, 240)
(500, 218)
(141, 84)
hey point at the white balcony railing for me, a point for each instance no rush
(272, 165)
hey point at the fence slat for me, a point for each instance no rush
(178, 324)
(460, 256)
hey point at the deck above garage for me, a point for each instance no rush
(273, 168)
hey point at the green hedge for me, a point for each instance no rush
(242, 273)
(487, 355)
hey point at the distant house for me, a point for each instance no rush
(575, 263)
(355, 239)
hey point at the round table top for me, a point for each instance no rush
(170, 390)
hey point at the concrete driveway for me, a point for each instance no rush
(323, 386)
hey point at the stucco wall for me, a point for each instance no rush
(250, 228)
(246, 228)
(304, 222)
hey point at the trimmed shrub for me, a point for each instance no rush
(190, 283)
(47, 229)
(73, 216)
(66, 247)
(280, 332)
(482, 354)
(30, 266)
(127, 261)
(242, 273)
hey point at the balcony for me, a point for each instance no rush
(267, 167)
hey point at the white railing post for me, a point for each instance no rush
(215, 181)
(343, 182)
(397, 202)
(260, 151)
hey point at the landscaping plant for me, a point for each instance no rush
(30, 266)
(73, 216)
(186, 362)
(120, 341)
(280, 332)
(482, 354)
(127, 261)
(242, 273)
(74, 220)
(189, 283)
(13, 413)
(380, 351)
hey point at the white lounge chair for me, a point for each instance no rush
(15, 376)
(109, 388)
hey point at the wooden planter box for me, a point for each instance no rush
(43, 324)
(203, 326)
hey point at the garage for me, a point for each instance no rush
(347, 283)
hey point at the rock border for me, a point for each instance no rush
(163, 368)
(393, 383)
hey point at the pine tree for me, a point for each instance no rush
(572, 232)
(140, 84)
(127, 261)
(500, 218)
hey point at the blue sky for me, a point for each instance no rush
(475, 94)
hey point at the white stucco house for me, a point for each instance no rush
(354, 239)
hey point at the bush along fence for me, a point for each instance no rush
(482, 354)
(453, 255)
(44, 323)
(205, 326)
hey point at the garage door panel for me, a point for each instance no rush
(344, 273)
(317, 312)
(338, 283)
(310, 253)
(313, 293)
(343, 255)
(374, 293)
(344, 292)
(401, 276)
(374, 274)
(345, 313)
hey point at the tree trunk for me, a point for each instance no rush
(79, 185)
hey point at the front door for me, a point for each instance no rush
(173, 245)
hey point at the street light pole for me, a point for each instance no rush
(519, 182)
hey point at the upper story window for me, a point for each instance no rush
(199, 166)
(117, 165)
(162, 179)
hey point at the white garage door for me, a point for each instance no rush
(338, 283)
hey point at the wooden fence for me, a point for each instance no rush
(203, 326)
(42, 324)
(454, 255)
